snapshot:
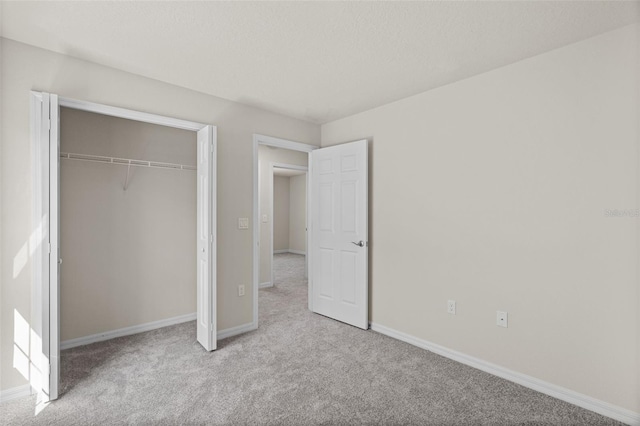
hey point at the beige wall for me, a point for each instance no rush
(492, 191)
(280, 213)
(129, 256)
(298, 213)
(26, 68)
(267, 156)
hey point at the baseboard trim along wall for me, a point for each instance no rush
(302, 252)
(14, 393)
(266, 284)
(234, 331)
(135, 329)
(606, 409)
(127, 331)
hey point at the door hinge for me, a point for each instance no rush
(211, 238)
(48, 123)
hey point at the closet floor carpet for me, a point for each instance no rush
(297, 368)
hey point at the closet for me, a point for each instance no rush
(128, 205)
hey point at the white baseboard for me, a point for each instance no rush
(127, 331)
(14, 393)
(302, 252)
(234, 331)
(606, 409)
(264, 285)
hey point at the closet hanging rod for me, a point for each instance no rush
(125, 161)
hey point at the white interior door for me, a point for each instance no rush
(338, 245)
(206, 294)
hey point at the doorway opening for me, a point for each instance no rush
(283, 213)
(276, 163)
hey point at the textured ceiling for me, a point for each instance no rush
(318, 61)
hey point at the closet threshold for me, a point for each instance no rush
(125, 161)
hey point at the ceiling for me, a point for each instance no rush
(318, 61)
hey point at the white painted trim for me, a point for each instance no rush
(289, 167)
(130, 114)
(126, 331)
(266, 284)
(283, 143)
(149, 326)
(302, 252)
(234, 331)
(279, 143)
(601, 407)
(15, 393)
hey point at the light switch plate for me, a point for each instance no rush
(265, 218)
(243, 223)
(502, 319)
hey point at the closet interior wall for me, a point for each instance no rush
(129, 254)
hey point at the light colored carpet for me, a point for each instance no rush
(298, 368)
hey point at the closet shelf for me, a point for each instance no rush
(125, 161)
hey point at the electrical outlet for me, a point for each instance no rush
(243, 223)
(240, 290)
(451, 307)
(502, 319)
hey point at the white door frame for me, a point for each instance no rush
(278, 143)
(304, 169)
(42, 188)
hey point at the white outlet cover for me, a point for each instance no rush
(243, 223)
(451, 307)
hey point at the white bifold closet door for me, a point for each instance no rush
(47, 261)
(206, 254)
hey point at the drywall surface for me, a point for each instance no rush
(266, 157)
(298, 213)
(501, 192)
(281, 213)
(26, 68)
(129, 255)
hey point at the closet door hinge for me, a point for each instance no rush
(49, 247)
(48, 124)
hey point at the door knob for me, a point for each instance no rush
(359, 243)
